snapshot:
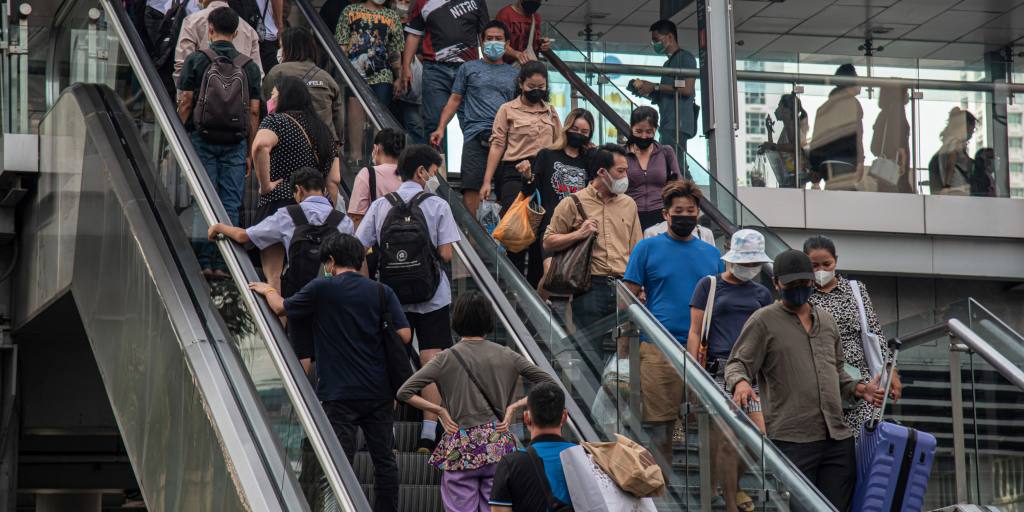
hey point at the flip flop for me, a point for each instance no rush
(744, 502)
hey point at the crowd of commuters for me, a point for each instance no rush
(633, 204)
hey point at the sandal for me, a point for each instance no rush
(744, 502)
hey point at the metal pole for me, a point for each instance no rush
(92, 44)
(915, 96)
(635, 391)
(957, 402)
(718, 90)
(22, 57)
(707, 489)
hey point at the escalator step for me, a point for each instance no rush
(412, 469)
(414, 498)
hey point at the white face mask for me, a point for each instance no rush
(824, 277)
(744, 273)
(432, 184)
(618, 186)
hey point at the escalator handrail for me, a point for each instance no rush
(712, 396)
(707, 208)
(377, 113)
(975, 304)
(976, 344)
(327, 449)
(587, 62)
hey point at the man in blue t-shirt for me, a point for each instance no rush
(667, 268)
(517, 483)
(348, 340)
(481, 87)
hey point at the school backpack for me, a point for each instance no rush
(408, 259)
(221, 115)
(304, 249)
(165, 41)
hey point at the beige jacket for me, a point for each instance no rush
(195, 35)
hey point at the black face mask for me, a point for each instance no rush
(531, 6)
(641, 142)
(576, 140)
(536, 95)
(682, 225)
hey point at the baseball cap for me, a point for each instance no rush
(747, 246)
(793, 265)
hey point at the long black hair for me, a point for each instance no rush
(293, 99)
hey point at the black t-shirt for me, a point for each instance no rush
(454, 28)
(517, 478)
(292, 152)
(347, 339)
(558, 176)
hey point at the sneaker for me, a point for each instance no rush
(425, 446)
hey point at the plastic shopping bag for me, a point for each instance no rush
(488, 215)
(592, 490)
(518, 228)
(611, 406)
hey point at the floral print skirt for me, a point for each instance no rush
(472, 448)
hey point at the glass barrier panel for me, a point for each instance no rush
(252, 349)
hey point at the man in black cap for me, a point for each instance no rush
(792, 350)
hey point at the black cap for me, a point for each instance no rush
(793, 265)
(846, 70)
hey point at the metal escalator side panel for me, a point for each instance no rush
(183, 430)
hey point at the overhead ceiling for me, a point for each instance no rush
(961, 30)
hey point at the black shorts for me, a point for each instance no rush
(474, 163)
(432, 330)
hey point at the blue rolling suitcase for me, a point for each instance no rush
(893, 466)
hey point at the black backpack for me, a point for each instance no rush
(166, 39)
(221, 115)
(249, 12)
(304, 249)
(408, 259)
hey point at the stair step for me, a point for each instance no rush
(412, 469)
(414, 498)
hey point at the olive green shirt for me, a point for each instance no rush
(328, 99)
(800, 374)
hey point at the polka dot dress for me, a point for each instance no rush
(291, 153)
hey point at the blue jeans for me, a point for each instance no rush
(383, 92)
(437, 87)
(225, 165)
(412, 118)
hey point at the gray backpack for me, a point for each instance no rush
(221, 115)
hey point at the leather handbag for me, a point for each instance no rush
(569, 273)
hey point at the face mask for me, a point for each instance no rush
(379, 2)
(272, 105)
(576, 140)
(493, 50)
(618, 186)
(744, 273)
(824, 277)
(682, 225)
(328, 272)
(641, 142)
(531, 6)
(402, 8)
(796, 296)
(536, 95)
(659, 48)
(432, 183)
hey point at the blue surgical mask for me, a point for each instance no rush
(797, 296)
(493, 50)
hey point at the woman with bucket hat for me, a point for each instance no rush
(719, 308)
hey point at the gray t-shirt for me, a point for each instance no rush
(497, 368)
(484, 88)
(682, 59)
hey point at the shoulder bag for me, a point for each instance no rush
(569, 273)
(537, 463)
(705, 327)
(870, 341)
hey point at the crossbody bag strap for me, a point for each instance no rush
(497, 412)
(372, 177)
(538, 469)
(309, 141)
(709, 309)
(862, 316)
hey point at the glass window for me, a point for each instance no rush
(1016, 167)
(753, 93)
(1016, 142)
(1013, 119)
(755, 123)
(752, 151)
(1017, 192)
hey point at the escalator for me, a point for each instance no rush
(94, 43)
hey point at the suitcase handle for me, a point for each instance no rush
(890, 366)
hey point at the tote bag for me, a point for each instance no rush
(592, 490)
(569, 273)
